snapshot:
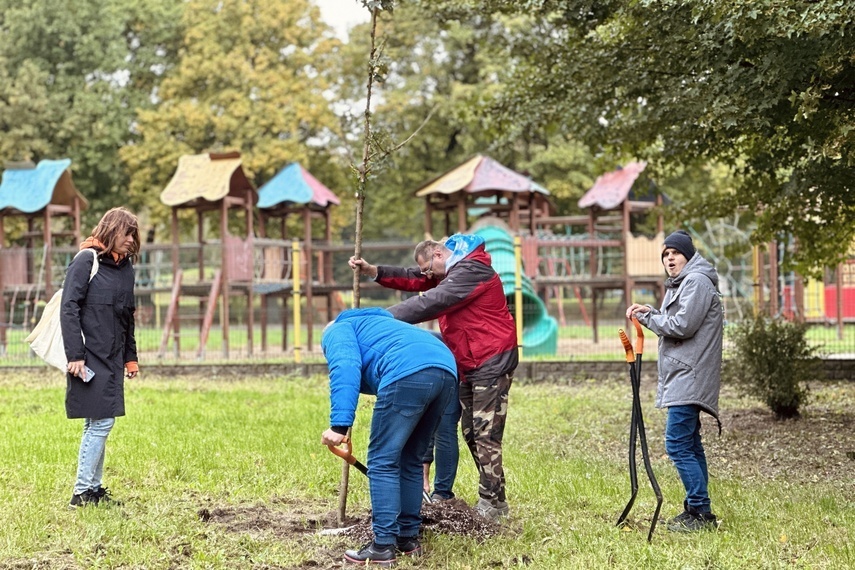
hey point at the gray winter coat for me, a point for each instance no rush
(689, 325)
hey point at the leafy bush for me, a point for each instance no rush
(770, 359)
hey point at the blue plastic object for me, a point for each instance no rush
(540, 330)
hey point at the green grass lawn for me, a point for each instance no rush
(253, 445)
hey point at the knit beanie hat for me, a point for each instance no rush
(682, 242)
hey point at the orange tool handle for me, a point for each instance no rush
(639, 336)
(345, 451)
(627, 346)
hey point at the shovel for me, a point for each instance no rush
(345, 451)
(636, 429)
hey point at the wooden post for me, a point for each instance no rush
(307, 254)
(428, 217)
(226, 285)
(47, 236)
(75, 212)
(200, 240)
(515, 212)
(773, 278)
(839, 283)
(2, 292)
(518, 296)
(625, 231)
(295, 276)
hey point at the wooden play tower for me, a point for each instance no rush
(294, 192)
(203, 183)
(483, 187)
(45, 198)
(612, 204)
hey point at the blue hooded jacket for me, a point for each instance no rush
(368, 349)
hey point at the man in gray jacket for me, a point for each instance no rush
(689, 325)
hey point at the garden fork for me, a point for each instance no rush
(636, 428)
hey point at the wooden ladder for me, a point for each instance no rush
(172, 324)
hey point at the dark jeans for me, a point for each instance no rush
(683, 444)
(447, 450)
(405, 415)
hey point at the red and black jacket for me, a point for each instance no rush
(471, 308)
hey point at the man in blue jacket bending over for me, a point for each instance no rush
(413, 375)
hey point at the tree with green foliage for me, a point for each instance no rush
(72, 74)
(443, 69)
(251, 76)
(767, 88)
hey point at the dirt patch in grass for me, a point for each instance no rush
(43, 561)
(816, 447)
(294, 521)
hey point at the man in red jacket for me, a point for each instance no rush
(464, 293)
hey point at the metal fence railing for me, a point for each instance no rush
(558, 319)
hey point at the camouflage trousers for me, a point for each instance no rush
(484, 411)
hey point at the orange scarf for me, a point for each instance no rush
(92, 242)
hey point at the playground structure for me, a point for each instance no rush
(614, 258)
(253, 265)
(827, 301)
(483, 187)
(243, 254)
(617, 258)
(539, 330)
(42, 194)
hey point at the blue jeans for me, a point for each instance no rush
(683, 444)
(444, 441)
(405, 415)
(90, 460)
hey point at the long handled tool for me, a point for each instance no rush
(346, 453)
(637, 427)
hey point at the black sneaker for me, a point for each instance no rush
(409, 546)
(691, 520)
(372, 553)
(683, 517)
(87, 497)
(104, 496)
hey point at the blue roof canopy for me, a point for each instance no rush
(293, 184)
(32, 189)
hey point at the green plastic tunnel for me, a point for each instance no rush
(540, 330)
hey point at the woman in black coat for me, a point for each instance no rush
(97, 319)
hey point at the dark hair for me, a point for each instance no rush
(114, 226)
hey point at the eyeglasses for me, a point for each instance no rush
(429, 271)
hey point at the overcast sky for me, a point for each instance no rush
(343, 14)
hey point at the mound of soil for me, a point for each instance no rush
(441, 517)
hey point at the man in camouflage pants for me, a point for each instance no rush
(464, 293)
(485, 409)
